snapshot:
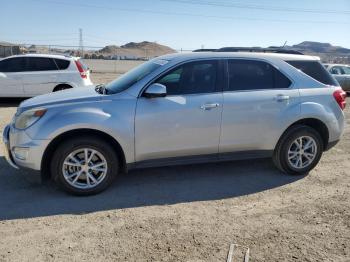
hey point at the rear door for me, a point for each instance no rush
(187, 121)
(11, 71)
(41, 76)
(257, 100)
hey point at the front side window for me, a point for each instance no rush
(191, 78)
(40, 64)
(12, 65)
(254, 75)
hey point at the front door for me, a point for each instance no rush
(187, 121)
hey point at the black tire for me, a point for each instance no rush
(78, 143)
(280, 156)
(61, 87)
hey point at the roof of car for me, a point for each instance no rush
(203, 55)
(42, 55)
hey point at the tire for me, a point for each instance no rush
(61, 88)
(76, 177)
(293, 160)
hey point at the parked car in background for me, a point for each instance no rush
(35, 74)
(341, 73)
(178, 109)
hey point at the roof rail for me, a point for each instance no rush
(259, 50)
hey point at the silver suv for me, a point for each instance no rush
(178, 109)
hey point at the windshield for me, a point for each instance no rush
(133, 76)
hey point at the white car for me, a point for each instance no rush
(35, 74)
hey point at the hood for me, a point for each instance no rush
(73, 95)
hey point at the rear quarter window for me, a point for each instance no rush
(62, 64)
(315, 70)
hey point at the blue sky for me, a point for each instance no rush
(186, 24)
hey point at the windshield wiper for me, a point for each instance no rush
(101, 89)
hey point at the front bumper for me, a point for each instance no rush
(14, 139)
(7, 150)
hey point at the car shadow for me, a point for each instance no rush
(23, 196)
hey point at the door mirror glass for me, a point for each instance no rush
(155, 90)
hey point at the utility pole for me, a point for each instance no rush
(81, 44)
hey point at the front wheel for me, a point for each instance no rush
(299, 150)
(84, 166)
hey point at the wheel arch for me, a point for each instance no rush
(314, 123)
(66, 85)
(50, 149)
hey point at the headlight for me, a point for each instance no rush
(28, 118)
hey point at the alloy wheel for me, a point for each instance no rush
(302, 152)
(84, 168)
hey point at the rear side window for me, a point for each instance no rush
(40, 64)
(315, 70)
(191, 78)
(254, 75)
(62, 64)
(12, 65)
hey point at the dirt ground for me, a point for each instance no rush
(185, 213)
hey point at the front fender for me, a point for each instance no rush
(115, 118)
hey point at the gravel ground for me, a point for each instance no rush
(185, 213)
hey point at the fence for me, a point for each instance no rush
(9, 50)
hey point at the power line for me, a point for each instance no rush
(133, 10)
(260, 7)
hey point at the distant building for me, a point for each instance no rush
(7, 49)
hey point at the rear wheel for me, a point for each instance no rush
(84, 166)
(299, 150)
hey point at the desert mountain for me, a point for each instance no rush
(142, 49)
(309, 47)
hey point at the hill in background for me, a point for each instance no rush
(143, 49)
(326, 51)
(320, 48)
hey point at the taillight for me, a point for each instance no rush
(340, 97)
(80, 69)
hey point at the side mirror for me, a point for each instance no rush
(155, 90)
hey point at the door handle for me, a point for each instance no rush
(281, 98)
(209, 106)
